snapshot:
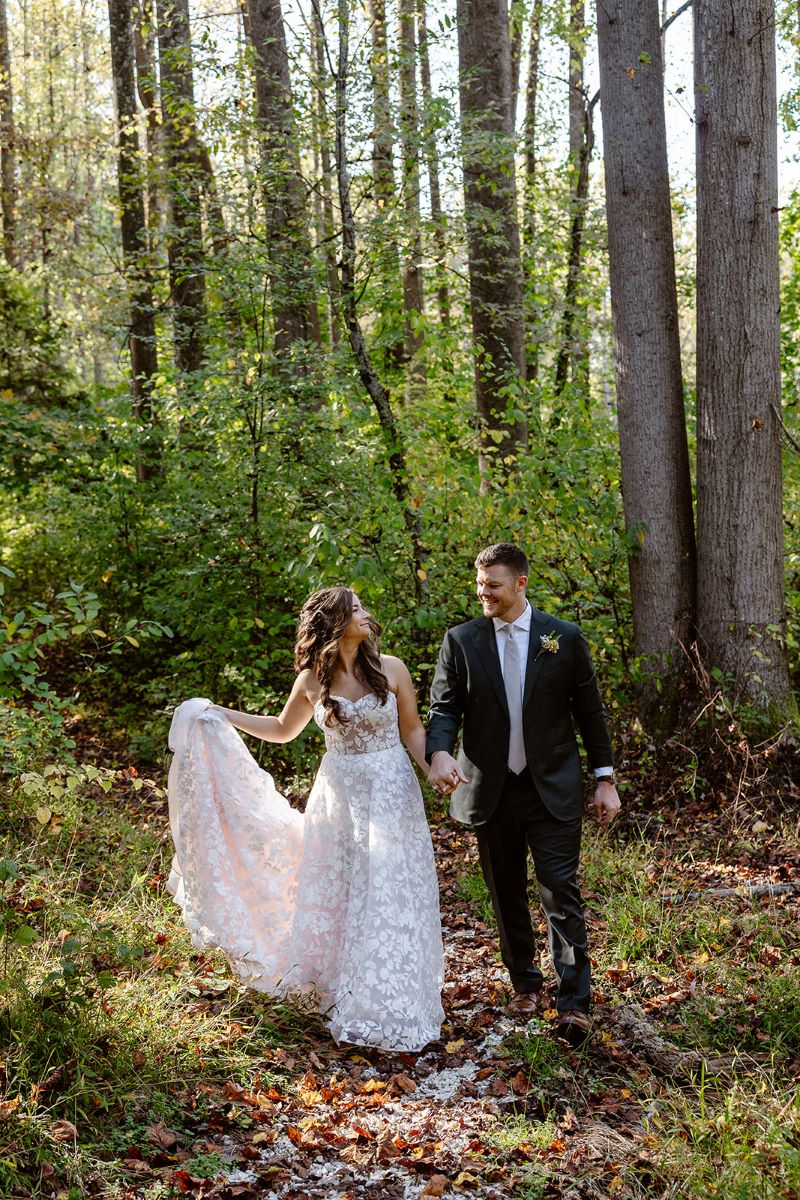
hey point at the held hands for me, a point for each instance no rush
(606, 802)
(445, 773)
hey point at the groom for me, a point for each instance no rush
(517, 681)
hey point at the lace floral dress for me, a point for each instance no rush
(341, 901)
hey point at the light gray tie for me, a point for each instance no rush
(512, 680)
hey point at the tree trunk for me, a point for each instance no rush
(532, 331)
(327, 230)
(516, 18)
(8, 165)
(656, 482)
(432, 161)
(144, 360)
(292, 280)
(184, 181)
(388, 332)
(490, 209)
(573, 355)
(144, 34)
(741, 611)
(413, 298)
(375, 389)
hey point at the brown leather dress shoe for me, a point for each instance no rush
(573, 1026)
(524, 1004)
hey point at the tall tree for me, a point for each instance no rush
(389, 332)
(184, 181)
(142, 338)
(573, 355)
(490, 210)
(373, 385)
(656, 487)
(327, 231)
(432, 161)
(532, 334)
(294, 292)
(413, 296)
(741, 614)
(8, 168)
(144, 36)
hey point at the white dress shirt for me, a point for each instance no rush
(522, 634)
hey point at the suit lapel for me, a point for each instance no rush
(535, 656)
(485, 642)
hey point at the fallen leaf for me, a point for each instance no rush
(63, 1131)
(464, 1179)
(402, 1083)
(437, 1185)
(454, 1047)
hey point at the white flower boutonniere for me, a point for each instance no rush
(549, 642)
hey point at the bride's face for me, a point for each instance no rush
(360, 622)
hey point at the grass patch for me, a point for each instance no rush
(472, 889)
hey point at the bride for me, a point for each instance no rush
(341, 901)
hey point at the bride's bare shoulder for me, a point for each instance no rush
(308, 683)
(394, 669)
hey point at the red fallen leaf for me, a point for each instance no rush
(519, 1084)
(294, 1135)
(161, 938)
(183, 1179)
(133, 1152)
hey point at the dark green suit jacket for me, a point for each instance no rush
(561, 693)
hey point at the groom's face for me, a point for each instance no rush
(501, 592)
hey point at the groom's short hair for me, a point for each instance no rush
(504, 554)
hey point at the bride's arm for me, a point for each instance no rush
(411, 728)
(295, 716)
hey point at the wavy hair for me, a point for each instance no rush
(322, 624)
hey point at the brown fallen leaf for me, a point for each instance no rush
(63, 1131)
(402, 1084)
(465, 1180)
(162, 1137)
(520, 1084)
(437, 1185)
(498, 1087)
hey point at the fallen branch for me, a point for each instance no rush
(666, 1056)
(756, 889)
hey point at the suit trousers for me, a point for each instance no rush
(521, 822)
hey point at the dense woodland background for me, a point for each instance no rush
(342, 294)
(339, 294)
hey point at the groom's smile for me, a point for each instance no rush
(501, 592)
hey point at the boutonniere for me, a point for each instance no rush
(549, 642)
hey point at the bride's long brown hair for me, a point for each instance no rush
(323, 621)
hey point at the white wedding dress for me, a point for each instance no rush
(340, 901)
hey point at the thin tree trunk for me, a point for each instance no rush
(529, 212)
(144, 360)
(8, 165)
(389, 334)
(327, 225)
(656, 482)
(515, 29)
(375, 389)
(294, 293)
(185, 246)
(432, 161)
(490, 209)
(573, 355)
(413, 297)
(144, 33)
(741, 611)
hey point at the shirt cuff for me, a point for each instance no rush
(603, 772)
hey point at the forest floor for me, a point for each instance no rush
(140, 1070)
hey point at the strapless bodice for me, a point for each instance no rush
(370, 725)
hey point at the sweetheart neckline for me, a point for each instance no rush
(334, 696)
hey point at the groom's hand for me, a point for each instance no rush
(445, 773)
(606, 802)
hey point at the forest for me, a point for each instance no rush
(338, 292)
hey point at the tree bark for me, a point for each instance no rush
(389, 334)
(184, 181)
(741, 610)
(490, 209)
(573, 355)
(413, 295)
(375, 389)
(144, 36)
(656, 482)
(532, 332)
(8, 165)
(292, 281)
(142, 340)
(327, 228)
(432, 161)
